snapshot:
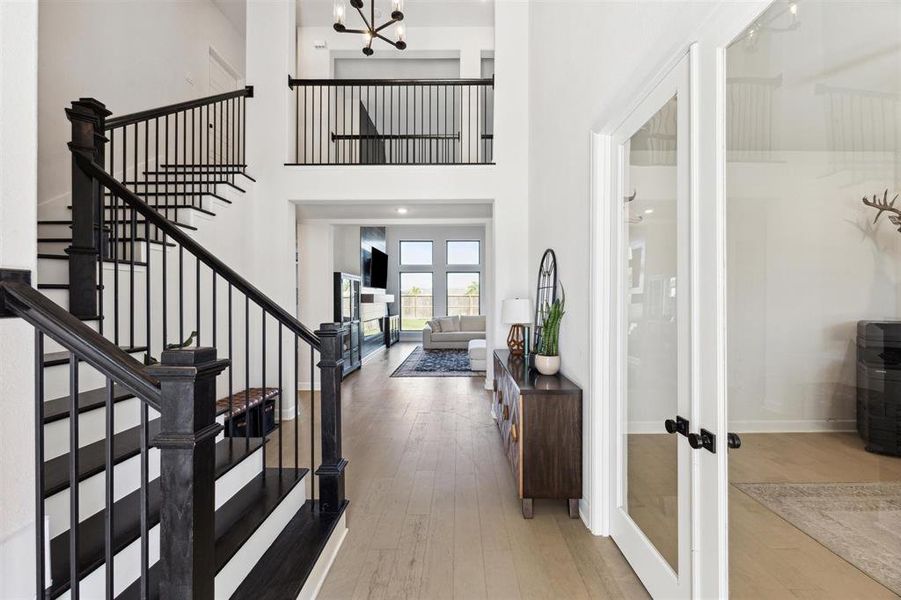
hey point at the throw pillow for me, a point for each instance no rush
(449, 323)
(434, 325)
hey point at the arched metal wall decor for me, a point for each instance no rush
(546, 292)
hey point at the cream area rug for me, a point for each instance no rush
(861, 522)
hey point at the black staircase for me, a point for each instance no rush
(161, 332)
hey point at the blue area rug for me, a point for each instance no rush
(436, 363)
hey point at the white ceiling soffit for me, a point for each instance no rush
(235, 11)
(417, 13)
(369, 211)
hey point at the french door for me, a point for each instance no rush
(654, 406)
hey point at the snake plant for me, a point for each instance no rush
(549, 343)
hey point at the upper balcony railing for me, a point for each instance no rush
(394, 121)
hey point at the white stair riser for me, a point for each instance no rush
(92, 426)
(56, 378)
(92, 491)
(127, 478)
(54, 270)
(237, 568)
(127, 562)
(124, 249)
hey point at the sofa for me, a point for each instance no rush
(452, 333)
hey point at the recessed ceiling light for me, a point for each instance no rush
(648, 211)
(401, 211)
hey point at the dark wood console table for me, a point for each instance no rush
(540, 421)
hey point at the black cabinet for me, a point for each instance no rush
(879, 386)
(391, 329)
(347, 311)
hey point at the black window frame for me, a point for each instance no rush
(448, 263)
(400, 253)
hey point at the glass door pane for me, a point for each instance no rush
(652, 361)
(813, 257)
(651, 521)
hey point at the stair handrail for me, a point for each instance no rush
(49, 318)
(162, 111)
(205, 256)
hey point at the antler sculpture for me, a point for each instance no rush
(885, 206)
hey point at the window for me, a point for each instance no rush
(416, 253)
(415, 300)
(463, 294)
(463, 252)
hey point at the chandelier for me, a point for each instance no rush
(372, 31)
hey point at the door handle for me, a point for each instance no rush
(733, 441)
(680, 425)
(704, 439)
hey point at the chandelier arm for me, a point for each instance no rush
(388, 24)
(365, 20)
(384, 39)
(354, 31)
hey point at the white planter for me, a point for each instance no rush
(547, 365)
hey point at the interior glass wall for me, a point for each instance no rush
(813, 250)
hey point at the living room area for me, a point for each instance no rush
(412, 273)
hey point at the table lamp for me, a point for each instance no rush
(516, 312)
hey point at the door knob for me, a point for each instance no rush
(733, 441)
(679, 425)
(703, 439)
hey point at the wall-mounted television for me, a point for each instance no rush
(376, 276)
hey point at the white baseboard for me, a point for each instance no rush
(793, 426)
(326, 559)
(304, 386)
(373, 354)
(762, 426)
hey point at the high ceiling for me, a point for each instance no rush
(421, 13)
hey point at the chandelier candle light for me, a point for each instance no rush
(372, 31)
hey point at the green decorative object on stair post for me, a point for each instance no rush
(547, 355)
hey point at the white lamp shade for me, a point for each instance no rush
(516, 311)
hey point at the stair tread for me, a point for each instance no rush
(58, 408)
(181, 195)
(58, 286)
(52, 359)
(283, 570)
(157, 184)
(58, 240)
(127, 524)
(92, 458)
(195, 165)
(236, 521)
(116, 221)
(46, 255)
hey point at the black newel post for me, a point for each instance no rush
(331, 367)
(187, 443)
(87, 117)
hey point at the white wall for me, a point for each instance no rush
(18, 249)
(347, 249)
(465, 43)
(271, 56)
(805, 264)
(129, 55)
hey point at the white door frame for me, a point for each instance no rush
(710, 567)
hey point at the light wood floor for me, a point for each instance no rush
(434, 511)
(769, 557)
